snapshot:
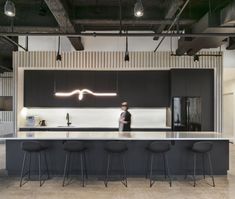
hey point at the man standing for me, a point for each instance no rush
(125, 118)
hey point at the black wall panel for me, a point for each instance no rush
(196, 83)
(139, 88)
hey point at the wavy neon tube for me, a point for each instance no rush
(82, 92)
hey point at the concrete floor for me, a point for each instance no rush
(137, 188)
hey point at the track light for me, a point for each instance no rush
(138, 9)
(9, 9)
(58, 56)
(126, 58)
(196, 58)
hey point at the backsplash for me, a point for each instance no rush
(97, 117)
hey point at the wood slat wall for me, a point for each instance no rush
(111, 60)
(6, 89)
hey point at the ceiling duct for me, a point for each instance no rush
(231, 43)
(209, 23)
(227, 15)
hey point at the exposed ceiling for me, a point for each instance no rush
(74, 16)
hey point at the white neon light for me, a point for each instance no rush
(82, 92)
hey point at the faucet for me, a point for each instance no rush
(67, 118)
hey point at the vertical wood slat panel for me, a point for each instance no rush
(6, 89)
(110, 61)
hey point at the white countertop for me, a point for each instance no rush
(115, 135)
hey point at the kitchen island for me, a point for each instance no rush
(180, 157)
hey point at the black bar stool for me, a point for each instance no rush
(204, 149)
(29, 148)
(117, 148)
(158, 148)
(74, 147)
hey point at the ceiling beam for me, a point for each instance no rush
(170, 14)
(58, 10)
(110, 22)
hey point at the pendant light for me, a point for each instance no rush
(138, 9)
(126, 58)
(9, 8)
(196, 58)
(58, 56)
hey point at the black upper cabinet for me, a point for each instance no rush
(38, 89)
(139, 88)
(196, 83)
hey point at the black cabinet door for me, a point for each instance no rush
(138, 88)
(38, 89)
(196, 83)
(145, 88)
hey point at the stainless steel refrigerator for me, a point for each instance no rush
(186, 114)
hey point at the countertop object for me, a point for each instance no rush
(115, 135)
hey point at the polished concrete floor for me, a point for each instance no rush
(137, 188)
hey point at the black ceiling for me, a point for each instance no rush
(84, 15)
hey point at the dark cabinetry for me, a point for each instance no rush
(196, 83)
(139, 88)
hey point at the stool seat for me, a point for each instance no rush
(158, 147)
(32, 146)
(116, 147)
(74, 146)
(202, 147)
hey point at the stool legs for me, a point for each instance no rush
(47, 168)
(107, 171)
(22, 169)
(211, 170)
(82, 169)
(28, 172)
(203, 165)
(151, 171)
(194, 168)
(124, 170)
(108, 168)
(166, 169)
(65, 169)
(39, 168)
(68, 165)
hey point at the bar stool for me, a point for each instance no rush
(158, 148)
(119, 149)
(202, 148)
(29, 148)
(74, 147)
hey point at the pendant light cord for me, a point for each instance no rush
(120, 15)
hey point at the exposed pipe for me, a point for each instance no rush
(109, 34)
(120, 16)
(5, 68)
(199, 55)
(13, 42)
(173, 23)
